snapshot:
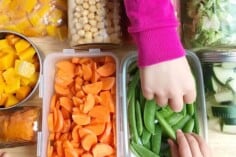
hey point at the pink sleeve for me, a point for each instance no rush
(154, 30)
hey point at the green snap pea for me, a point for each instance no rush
(142, 151)
(166, 112)
(189, 126)
(149, 115)
(134, 151)
(181, 123)
(165, 126)
(174, 118)
(184, 111)
(146, 136)
(190, 109)
(196, 123)
(132, 85)
(156, 140)
(139, 119)
(132, 120)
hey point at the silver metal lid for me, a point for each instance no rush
(217, 54)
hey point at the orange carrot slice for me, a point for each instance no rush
(83, 132)
(66, 103)
(102, 149)
(53, 102)
(60, 121)
(107, 69)
(66, 66)
(75, 133)
(87, 155)
(100, 112)
(106, 100)
(59, 148)
(66, 126)
(107, 135)
(75, 60)
(96, 128)
(88, 141)
(87, 72)
(93, 88)
(108, 83)
(81, 118)
(89, 103)
(65, 113)
(50, 122)
(109, 59)
(49, 150)
(61, 90)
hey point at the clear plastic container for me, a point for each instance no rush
(208, 23)
(219, 74)
(199, 104)
(47, 91)
(19, 126)
(94, 22)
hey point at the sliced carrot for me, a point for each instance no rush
(93, 88)
(107, 69)
(81, 118)
(80, 94)
(63, 78)
(108, 83)
(53, 102)
(64, 136)
(102, 149)
(66, 103)
(51, 136)
(50, 122)
(79, 151)
(96, 128)
(98, 99)
(70, 153)
(60, 121)
(109, 59)
(88, 141)
(106, 100)
(84, 131)
(114, 131)
(95, 75)
(87, 72)
(85, 60)
(57, 135)
(49, 150)
(107, 135)
(59, 148)
(66, 66)
(61, 90)
(100, 112)
(65, 113)
(77, 101)
(89, 103)
(87, 155)
(78, 83)
(75, 60)
(75, 144)
(66, 126)
(75, 133)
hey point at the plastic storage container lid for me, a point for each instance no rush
(217, 54)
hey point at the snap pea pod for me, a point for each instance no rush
(142, 151)
(174, 118)
(146, 136)
(134, 151)
(166, 112)
(181, 123)
(139, 119)
(132, 119)
(189, 126)
(149, 115)
(165, 126)
(156, 140)
(132, 85)
(190, 109)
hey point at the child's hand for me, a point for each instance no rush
(189, 145)
(2, 154)
(169, 82)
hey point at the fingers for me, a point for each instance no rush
(205, 150)
(184, 149)
(193, 144)
(173, 149)
(189, 97)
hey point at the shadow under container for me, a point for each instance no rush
(219, 73)
(200, 109)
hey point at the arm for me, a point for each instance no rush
(154, 29)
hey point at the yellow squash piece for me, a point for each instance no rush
(11, 100)
(28, 54)
(12, 39)
(4, 44)
(24, 68)
(6, 60)
(22, 92)
(3, 99)
(21, 45)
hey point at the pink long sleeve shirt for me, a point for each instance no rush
(154, 30)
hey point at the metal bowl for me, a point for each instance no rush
(3, 34)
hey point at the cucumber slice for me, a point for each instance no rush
(232, 85)
(224, 111)
(223, 75)
(217, 87)
(229, 121)
(224, 96)
(231, 129)
(228, 65)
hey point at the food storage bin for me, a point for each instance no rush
(139, 134)
(20, 68)
(219, 74)
(73, 138)
(208, 23)
(94, 23)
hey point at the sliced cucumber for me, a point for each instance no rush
(224, 96)
(232, 85)
(217, 87)
(231, 129)
(223, 75)
(224, 111)
(229, 121)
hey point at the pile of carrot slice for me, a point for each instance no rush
(81, 119)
